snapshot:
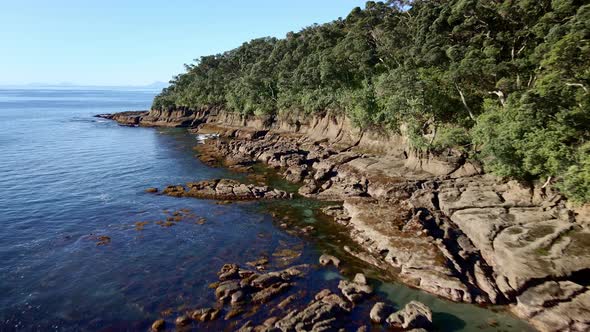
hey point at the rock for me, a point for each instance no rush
(266, 280)
(237, 297)
(247, 327)
(159, 325)
(235, 311)
(556, 306)
(269, 293)
(380, 312)
(182, 321)
(295, 173)
(288, 300)
(338, 213)
(319, 315)
(353, 291)
(229, 271)
(259, 263)
(329, 259)
(226, 289)
(522, 238)
(151, 190)
(247, 281)
(360, 279)
(323, 293)
(204, 315)
(414, 315)
(378, 226)
(225, 190)
(175, 191)
(214, 314)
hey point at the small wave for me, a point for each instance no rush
(201, 138)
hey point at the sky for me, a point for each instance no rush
(137, 42)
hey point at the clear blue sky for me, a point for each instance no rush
(134, 42)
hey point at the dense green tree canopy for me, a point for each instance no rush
(503, 81)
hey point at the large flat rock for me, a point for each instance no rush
(388, 230)
(520, 240)
(556, 306)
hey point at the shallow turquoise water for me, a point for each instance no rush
(67, 178)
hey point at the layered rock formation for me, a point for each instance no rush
(437, 223)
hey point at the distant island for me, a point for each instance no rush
(157, 85)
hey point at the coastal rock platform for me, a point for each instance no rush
(438, 222)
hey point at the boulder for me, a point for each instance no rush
(329, 260)
(380, 312)
(355, 290)
(414, 315)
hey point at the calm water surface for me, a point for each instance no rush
(68, 178)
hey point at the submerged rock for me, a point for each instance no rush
(159, 325)
(203, 315)
(268, 293)
(182, 321)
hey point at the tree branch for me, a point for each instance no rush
(579, 85)
(547, 182)
(465, 102)
(500, 95)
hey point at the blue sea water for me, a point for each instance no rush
(68, 178)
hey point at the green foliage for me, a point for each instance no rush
(576, 180)
(452, 137)
(506, 82)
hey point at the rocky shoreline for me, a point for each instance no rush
(436, 220)
(241, 291)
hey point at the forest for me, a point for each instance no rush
(506, 82)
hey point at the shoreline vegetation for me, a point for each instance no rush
(453, 135)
